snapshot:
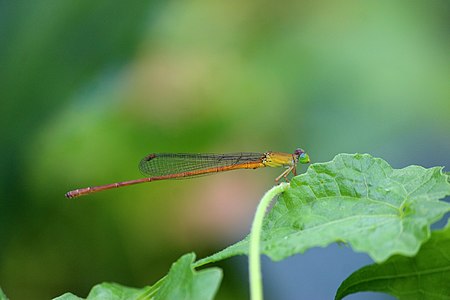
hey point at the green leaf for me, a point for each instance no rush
(355, 199)
(68, 296)
(2, 295)
(182, 282)
(107, 290)
(425, 276)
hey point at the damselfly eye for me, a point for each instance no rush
(299, 151)
(303, 158)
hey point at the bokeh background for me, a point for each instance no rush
(88, 88)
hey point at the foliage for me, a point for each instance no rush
(2, 295)
(355, 199)
(424, 276)
(182, 282)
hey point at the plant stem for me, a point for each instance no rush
(254, 265)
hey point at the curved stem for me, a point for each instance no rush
(256, 290)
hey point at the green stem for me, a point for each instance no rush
(254, 265)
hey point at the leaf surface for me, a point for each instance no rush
(182, 282)
(355, 199)
(2, 295)
(424, 276)
(107, 290)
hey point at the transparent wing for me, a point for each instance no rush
(161, 164)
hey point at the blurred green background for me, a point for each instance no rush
(89, 88)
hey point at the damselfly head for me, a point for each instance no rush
(303, 157)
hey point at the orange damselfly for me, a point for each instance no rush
(161, 166)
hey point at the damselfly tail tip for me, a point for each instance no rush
(71, 194)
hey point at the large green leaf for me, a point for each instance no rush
(182, 282)
(355, 199)
(424, 276)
